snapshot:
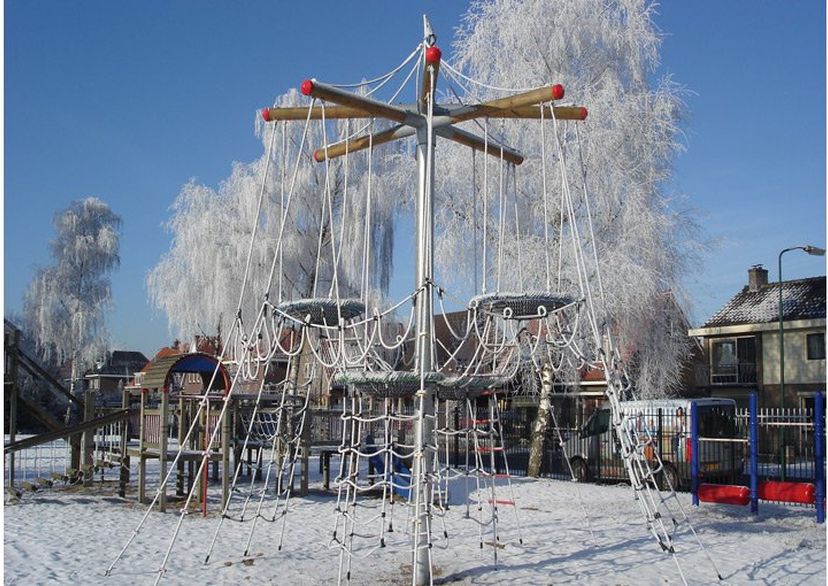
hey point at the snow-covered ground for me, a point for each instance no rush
(72, 535)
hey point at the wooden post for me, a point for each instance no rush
(75, 440)
(225, 456)
(305, 439)
(194, 443)
(88, 438)
(11, 356)
(325, 464)
(201, 479)
(123, 478)
(162, 450)
(142, 460)
(182, 426)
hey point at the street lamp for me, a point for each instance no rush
(814, 251)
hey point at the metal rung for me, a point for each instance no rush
(486, 449)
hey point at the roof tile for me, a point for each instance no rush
(801, 299)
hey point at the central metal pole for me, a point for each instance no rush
(423, 401)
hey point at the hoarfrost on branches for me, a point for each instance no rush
(605, 54)
(66, 303)
(198, 282)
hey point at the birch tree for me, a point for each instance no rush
(324, 212)
(66, 303)
(605, 54)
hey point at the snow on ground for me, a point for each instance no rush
(72, 535)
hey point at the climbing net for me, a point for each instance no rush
(419, 378)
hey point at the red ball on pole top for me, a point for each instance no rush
(557, 91)
(307, 87)
(433, 55)
(266, 114)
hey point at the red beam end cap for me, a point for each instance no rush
(266, 114)
(433, 55)
(317, 156)
(584, 113)
(307, 87)
(557, 92)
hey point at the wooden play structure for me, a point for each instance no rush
(170, 392)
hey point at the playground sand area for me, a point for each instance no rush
(71, 536)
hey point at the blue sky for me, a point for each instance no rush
(127, 101)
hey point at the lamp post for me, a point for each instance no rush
(814, 251)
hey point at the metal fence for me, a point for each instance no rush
(724, 447)
(594, 452)
(791, 428)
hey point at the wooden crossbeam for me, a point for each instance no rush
(402, 131)
(529, 112)
(533, 97)
(475, 142)
(362, 142)
(50, 436)
(525, 105)
(313, 88)
(343, 112)
(331, 113)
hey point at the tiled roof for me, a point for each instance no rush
(801, 299)
(122, 363)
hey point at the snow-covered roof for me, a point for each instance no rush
(121, 363)
(801, 299)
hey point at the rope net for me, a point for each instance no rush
(420, 414)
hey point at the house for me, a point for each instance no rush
(741, 342)
(110, 375)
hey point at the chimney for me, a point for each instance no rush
(757, 278)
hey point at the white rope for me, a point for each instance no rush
(331, 224)
(545, 195)
(457, 72)
(517, 232)
(359, 131)
(589, 217)
(291, 191)
(384, 76)
(256, 226)
(366, 236)
(282, 209)
(485, 196)
(501, 210)
(474, 217)
(173, 465)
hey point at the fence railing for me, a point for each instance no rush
(784, 458)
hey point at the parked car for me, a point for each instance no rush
(595, 451)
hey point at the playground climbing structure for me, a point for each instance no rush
(411, 392)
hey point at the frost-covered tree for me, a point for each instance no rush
(197, 283)
(605, 54)
(66, 303)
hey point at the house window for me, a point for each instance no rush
(816, 346)
(733, 361)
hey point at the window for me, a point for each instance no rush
(816, 346)
(733, 361)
